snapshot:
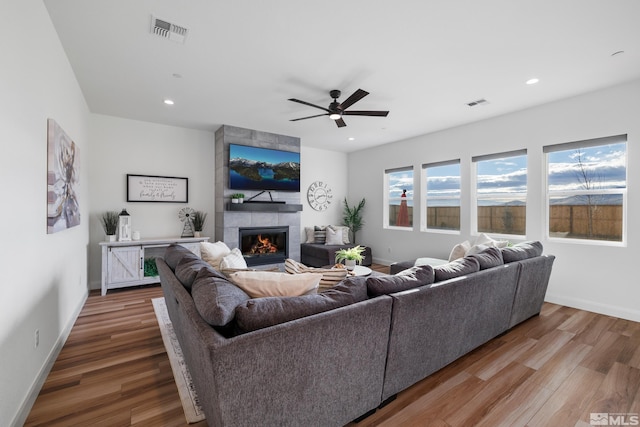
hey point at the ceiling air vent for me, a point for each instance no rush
(168, 30)
(478, 102)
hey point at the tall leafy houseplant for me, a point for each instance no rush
(352, 217)
(199, 218)
(109, 222)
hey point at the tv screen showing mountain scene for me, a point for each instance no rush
(255, 168)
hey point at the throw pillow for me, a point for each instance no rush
(334, 237)
(214, 252)
(187, 270)
(522, 251)
(459, 267)
(484, 239)
(320, 235)
(345, 233)
(233, 260)
(258, 284)
(216, 298)
(310, 235)
(459, 250)
(490, 257)
(407, 279)
(175, 253)
(264, 312)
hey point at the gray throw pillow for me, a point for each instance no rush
(488, 258)
(459, 267)
(188, 268)
(216, 298)
(261, 313)
(174, 253)
(407, 279)
(524, 250)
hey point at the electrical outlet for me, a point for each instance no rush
(36, 341)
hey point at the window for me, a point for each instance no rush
(501, 193)
(587, 188)
(442, 207)
(399, 197)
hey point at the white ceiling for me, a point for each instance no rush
(422, 60)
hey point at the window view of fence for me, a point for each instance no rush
(443, 195)
(501, 193)
(586, 187)
(399, 197)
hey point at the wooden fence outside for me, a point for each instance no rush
(564, 220)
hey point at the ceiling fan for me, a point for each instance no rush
(336, 110)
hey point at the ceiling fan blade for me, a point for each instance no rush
(366, 113)
(309, 117)
(340, 123)
(309, 104)
(355, 97)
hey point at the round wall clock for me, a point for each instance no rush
(319, 196)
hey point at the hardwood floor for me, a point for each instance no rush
(552, 370)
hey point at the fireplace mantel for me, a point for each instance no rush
(264, 207)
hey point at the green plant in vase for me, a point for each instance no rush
(352, 217)
(350, 256)
(109, 222)
(198, 218)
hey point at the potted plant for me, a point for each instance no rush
(198, 218)
(352, 217)
(237, 198)
(350, 256)
(110, 224)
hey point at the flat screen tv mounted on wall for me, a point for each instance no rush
(257, 168)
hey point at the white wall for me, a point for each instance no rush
(329, 167)
(44, 277)
(121, 146)
(592, 277)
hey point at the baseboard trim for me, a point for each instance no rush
(38, 382)
(582, 304)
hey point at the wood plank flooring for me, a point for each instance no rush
(552, 370)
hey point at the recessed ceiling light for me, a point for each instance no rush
(532, 81)
(168, 102)
(351, 138)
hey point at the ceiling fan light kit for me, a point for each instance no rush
(337, 110)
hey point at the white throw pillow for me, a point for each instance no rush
(233, 260)
(484, 239)
(345, 233)
(213, 253)
(334, 236)
(459, 250)
(258, 284)
(310, 233)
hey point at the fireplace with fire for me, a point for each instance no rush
(264, 245)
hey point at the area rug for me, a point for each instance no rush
(192, 410)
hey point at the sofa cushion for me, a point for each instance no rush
(188, 268)
(320, 234)
(334, 237)
(216, 298)
(174, 253)
(264, 312)
(407, 279)
(459, 250)
(258, 284)
(521, 251)
(489, 257)
(459, 267)
(213, 253)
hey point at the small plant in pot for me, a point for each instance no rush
(109, 222)
(350, 256)
(198, 218)
(237, 198)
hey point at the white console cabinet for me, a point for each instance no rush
(123, 262)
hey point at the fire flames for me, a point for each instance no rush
(263, 245)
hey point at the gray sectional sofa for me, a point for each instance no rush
(329, 358)
(321, 255)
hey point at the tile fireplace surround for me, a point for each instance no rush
(227, 222)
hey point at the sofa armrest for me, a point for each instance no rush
(399, 266)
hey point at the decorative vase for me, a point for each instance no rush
(235, 200)
(111, 237)
(196, 234)
(241, 200)
(350, 264)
